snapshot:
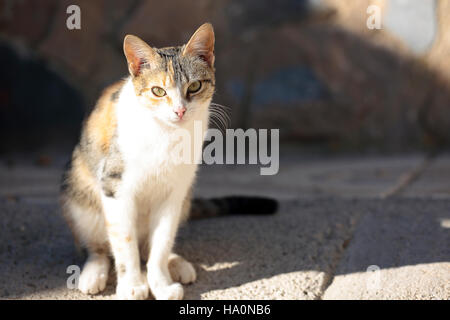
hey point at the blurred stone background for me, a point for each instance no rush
(311, 68)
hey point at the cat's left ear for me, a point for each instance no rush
(137, 53)
(201, 44)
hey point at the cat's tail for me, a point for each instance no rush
(232, 205)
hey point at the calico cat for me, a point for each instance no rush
(122, 195)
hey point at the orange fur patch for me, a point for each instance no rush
(83, 173)
(103, 121)
(163, 80)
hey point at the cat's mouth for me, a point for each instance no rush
(177, 122)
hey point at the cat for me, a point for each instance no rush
(121, 194)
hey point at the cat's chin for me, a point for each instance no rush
(176, 123)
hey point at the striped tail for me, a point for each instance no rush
(233, 205)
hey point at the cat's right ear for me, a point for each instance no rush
(137, 53)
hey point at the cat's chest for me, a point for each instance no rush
(150, 157)
(152, 161)
(140, 141)
(151, 153)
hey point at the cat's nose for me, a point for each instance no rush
(180, 111)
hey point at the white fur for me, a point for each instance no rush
(95, 274)
(147, 206)
(181, 270)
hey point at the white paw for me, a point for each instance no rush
(181, 270)
(129, 291)
(172, 292)
(93, 278)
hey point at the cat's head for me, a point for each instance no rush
(175, 84)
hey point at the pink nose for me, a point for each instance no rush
(180, 112)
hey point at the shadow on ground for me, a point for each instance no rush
(291, 255)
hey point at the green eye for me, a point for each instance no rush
(159, 92)
(194, 87)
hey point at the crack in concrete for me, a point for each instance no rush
(329, 276)
(409, 177)
(406, 180)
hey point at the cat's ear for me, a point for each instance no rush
(137, 53)
(201, 44)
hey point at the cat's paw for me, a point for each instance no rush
(93, 278)
(129, 291)
(181, 270)
(92, 283)
(171, 292)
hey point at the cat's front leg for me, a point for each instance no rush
(120, 215)
(163, 228)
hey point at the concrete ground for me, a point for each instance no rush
(347, 228)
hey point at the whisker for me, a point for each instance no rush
(224, 115)
(221, 113)
(220, 105)
(213, 121)
(220, 117)
(216, 121)
(219, 120)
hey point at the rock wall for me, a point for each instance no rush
(311, 68)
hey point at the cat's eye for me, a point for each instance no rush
(194, 87)
(159, 92)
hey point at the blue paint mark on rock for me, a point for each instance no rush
(285, 86)
(235, 87)
(298, 84)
